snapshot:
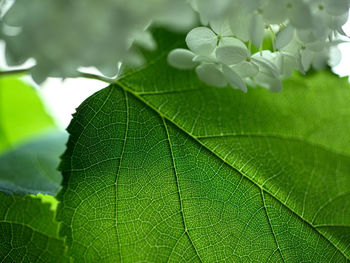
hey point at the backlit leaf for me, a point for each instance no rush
(160, 167)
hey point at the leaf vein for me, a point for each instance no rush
(126, 88)
(179, 191)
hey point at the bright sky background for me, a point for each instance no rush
(62, 97)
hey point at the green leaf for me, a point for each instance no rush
(32, 167)
(22, 114)
(161, 168)
(28, 232)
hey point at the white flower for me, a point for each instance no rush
(218, 54)
(303, 34)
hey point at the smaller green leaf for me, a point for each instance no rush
(22, 114)
(32, 167)
(28, 231)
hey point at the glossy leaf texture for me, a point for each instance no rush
(160, 168)
(22, 114)
(32, 167)
(28, 231)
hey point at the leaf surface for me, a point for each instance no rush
(28, 231)
(161, 168)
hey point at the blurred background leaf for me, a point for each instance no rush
(22, 113)
(32, 167)
(30, 142)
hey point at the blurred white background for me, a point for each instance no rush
(62, 97)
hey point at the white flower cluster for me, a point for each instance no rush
(64, 35)
(303, 32)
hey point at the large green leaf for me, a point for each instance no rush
(22, 114)
(161, 168)
(28, 231)
(32, 167)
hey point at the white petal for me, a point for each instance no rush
(334, 56)
(212, 9)
(306, 35)
(257, 29)
(284, 37)
(306, 59)
(145, 40)
(133, 59)
(206, 59)
(234, 79)
(251, 83)
(193, 4)
(178, 16)
(201, 40)
(221, 27)
(265, 55)
(293, 46)
(341, 32)
(336, 22)
(109, 69)
(275, 11)
(299, 66)
(320, 61)
(286, 63)
(268, 80)
(211, 75)
(250, 6)
(231, 41)
(181, 58)
(246, 69)
(239, 24)
(231, 55)
(266, 66)
(320, 24)
(316, 46)
(337, 7)
(272, 84)
(300, 14)
(203, 19)
(275, 85)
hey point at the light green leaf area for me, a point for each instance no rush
(32, 167)
(28, 231)
(22, 114)
(160, 168)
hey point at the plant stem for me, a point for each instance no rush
(14, 72)
(94, 76)
(80, 75)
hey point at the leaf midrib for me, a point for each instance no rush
(279, 137)
(123, 83)
(163, 116)
(117, 174)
